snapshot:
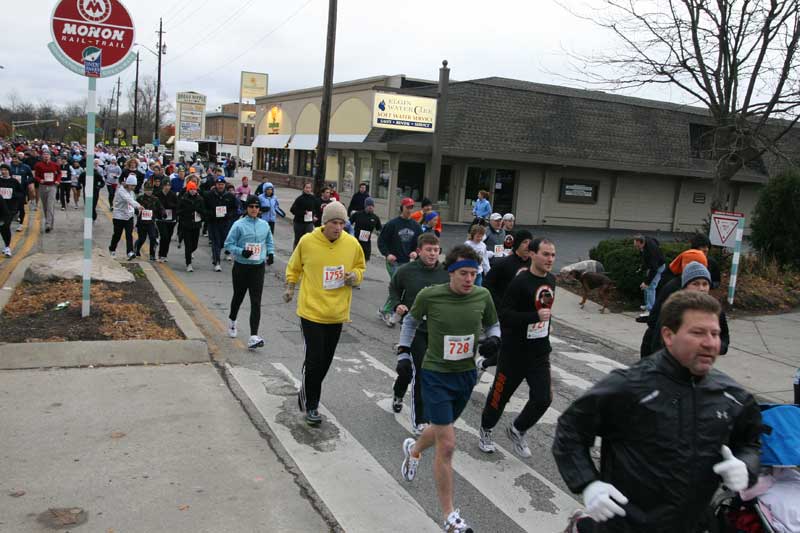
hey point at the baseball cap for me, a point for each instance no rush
(496, 216)
(407, 202)
(220, 179)
(508, 216)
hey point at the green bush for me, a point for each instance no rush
(775, 231)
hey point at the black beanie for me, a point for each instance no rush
(520, 236)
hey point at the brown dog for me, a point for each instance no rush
(593, 280)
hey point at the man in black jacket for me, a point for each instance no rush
(653, 264)
(304, 210)
(221, 209)
(672, 429)
(357, 201)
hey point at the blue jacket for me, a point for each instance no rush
(482, 208)
(246, 231)
(24, 171)
(271, 202)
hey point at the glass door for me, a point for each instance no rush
(503, 193)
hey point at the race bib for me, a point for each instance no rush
(538, 330)
(168, 213)
(333, 277)
(308, 217)
(499, 250)
(197, 217)
(458, 347)
(364, 235)
(63, 174)
(254, 247)
(17, 177)
(147, 214)
(221, 211)
(49, 177)
(5, 193)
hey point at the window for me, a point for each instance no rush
(444, 184)
(277, 160)
(701, 141)
(381, 177)
(306, 163)
(578, 191)
(260, 162)
(478, 179)
(411, 180)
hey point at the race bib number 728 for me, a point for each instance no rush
(458, 347)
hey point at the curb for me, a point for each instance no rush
(13, 280)
(176, 310)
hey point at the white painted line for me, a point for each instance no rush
(570, 379)
(556, 340)
(598, 362)
(373, 498)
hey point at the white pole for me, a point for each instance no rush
(91, 109)
(735, 264)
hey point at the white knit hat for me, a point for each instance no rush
(131, 180)
(333, 211)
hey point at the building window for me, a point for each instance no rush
(478, 179)
(380, 180)
(260, 162)
(444, 183)
(701, 141)
(578, 191)
(278, 160)
(306, 163)
(411, 180)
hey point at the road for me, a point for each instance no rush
(353, 461)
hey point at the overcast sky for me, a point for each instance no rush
(210, 41)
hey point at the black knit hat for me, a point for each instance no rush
(520, 236)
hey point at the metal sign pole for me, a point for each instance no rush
(735, 265)
(88, 187)
(239, 118)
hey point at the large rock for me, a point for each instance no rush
(46, 267)
(590, 265)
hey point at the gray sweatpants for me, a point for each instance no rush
(47, 194)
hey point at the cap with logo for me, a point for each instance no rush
(407, 202)
(496, 216)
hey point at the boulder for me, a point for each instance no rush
(590, 265)
(47, 267)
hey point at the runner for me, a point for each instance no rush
(24, 175)
(330, 262)
(428, 218)
(525, 349)
(250, 243)
(397, 242)
(357, 201)
(456, 314)
(221, 209)
(476, 235)
(12, 195)
(495, 236)
(151, 211)
(112, 175)
(48, 176)
(191, 210)
(166, 225)
(508, 222)
(270, 206)
(482, 209)
(672, 428)
(76, 176)
(324, 199)
(65, 187)
(243, 190)
(124, 207)
(409, 279)
(364, 222)
(303, 209)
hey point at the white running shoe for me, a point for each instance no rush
(189, 268)
(20, 228)
(232, 328)
(217, 268)
(255, 342)
(418, 429)
(113, 254)
(479, 362)
(410, 463)
(229, 258)
(520, 445)
(131, 256)
(456, 524)
(485, 442)
(7, 251)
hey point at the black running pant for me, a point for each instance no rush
(165, 230)
(119, 227)
(320, 345)
(190, 238)
(5, 229)
(112, 191)
(512, 368)
(146, 230)
(300, 229)
(418, 347)
(22, 203)
(65, 190)
(248, 278)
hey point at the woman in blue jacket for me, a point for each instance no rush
(250, 242)
(482, 209)
(270, 207)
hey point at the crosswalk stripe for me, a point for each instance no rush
(372, 494)
(502, 481)
(598, 362)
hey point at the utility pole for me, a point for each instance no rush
(136, 96)
(325, 108)
(116, 118)
(158, 86)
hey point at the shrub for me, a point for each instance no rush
(775, 231)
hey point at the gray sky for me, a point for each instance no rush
(210, 42)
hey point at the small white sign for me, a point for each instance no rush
(723, 228)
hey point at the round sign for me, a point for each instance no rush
(92, 37)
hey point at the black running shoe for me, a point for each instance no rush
(397, 404)
(313, 418)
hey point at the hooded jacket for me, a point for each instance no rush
(270, 206)
(248, 231)
(190, 205)
(662, 430)
(124, 204)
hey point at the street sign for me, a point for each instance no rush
(92, 38)
(723, 228)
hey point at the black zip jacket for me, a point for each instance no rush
(662, 431)
(153, 204)
(357, 202)
(188, 205)
(214, 199)
(523, 332)
(304, 202)
(168, 201)
(504, 269)
(652, 258)
(17, 193)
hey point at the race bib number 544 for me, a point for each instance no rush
(458, 347)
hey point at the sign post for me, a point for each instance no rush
(727, 229)
(92, 38)
(735, 265)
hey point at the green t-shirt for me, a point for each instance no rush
(454, 325)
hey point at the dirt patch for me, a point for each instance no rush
(51, 312)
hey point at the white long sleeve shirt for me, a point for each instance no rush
(124, 204)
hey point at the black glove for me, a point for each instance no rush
(404, 369)
(247, 253)
(489, 347)
(264, 208)
(270, 259)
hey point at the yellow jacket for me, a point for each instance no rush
(322, 264)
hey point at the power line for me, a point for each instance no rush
(190, 15)
(171, 12)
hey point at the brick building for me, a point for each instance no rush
(221, 125)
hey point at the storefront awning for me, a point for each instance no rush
(347, 138)
(308, 141)
(271, 141)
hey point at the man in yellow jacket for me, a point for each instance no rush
(329, 261)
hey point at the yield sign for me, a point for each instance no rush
(723, 228)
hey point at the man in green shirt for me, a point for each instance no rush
(456, 313)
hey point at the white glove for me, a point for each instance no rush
(601, 501)
(733, 471)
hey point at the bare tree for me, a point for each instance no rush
(738, 58)
(147, 104)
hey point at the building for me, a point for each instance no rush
(551, 155)
(221, 127)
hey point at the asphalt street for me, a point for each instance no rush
(498, 492)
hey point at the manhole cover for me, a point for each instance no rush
(62, 517)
